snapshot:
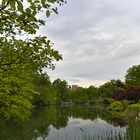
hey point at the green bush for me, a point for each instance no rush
(134, 106)
(118, 105)
(110, 100)
(132, 111)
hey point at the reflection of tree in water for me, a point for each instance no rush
(62, 119)
(92, 113)
(38, 125)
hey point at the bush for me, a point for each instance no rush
(134, 106)
(132, 94)
(132, 111)
(118, 105)
(110, 100)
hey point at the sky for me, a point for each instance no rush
(98, 39)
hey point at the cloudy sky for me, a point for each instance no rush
(99, 40)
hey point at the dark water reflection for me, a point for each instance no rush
(71, 123)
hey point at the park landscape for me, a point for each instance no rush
(33, 107)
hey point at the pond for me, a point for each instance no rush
(71, 123)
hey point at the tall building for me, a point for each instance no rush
(73, 87)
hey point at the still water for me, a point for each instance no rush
(71, 123)
(80, 129)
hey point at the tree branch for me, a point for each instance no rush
(5, 6)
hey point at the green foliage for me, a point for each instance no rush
(118, 105)
(15, 93)
(133, 131)
(83, 95)
(20, 17)
(134, 106)
(79, 96)
(108, 88)
(20, 56)
(46, 93)
(110, 100)
(132, 111)
(40, 79)
(132, 77)
(61, 86)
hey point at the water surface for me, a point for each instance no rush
(71, 123)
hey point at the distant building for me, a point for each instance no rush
(73, 87)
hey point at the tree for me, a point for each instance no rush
(132, 77)
(108, 88)
(92, 93)
(131, 94)
(61, 87)
(46, 92)
(41, 79)
(21, 56)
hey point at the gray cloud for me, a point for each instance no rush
(99, 39)
(74, 80)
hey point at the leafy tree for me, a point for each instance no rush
(83, 95)
(132, 77)
(20, 55)
(46, 92)
(108, 88)
(40, 79)
(92, 92)
(61, 87)
(131, 94)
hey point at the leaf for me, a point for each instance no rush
(33, 7)
(55, 10)
(3, 3)
(43, 2)
(36, 1)
(1, 25)
(28, 11)
(20, 6)
(47, 13)
(12, 4)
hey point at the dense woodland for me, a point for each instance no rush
(23, 56)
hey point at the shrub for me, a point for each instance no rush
(132, 94)
(132, 111)
(134, 106)
(110, 100)
(118, 105)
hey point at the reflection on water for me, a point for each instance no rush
(80, 129)
(71, 123)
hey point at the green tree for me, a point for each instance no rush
(132, 77)
(92, 93)
(108, 88)
(20, 55)
(83, 95)
(46, 92)
(61, 87)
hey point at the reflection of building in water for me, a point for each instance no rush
(73, 87)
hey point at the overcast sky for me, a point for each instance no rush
(99, 40)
